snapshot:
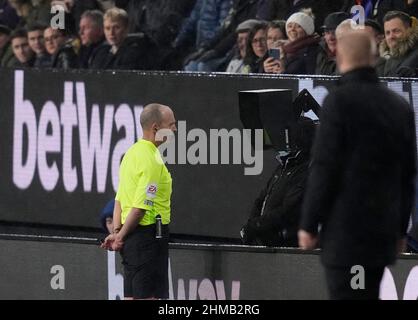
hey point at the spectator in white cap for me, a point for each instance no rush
(299, 54)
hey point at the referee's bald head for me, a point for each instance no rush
(152, 113)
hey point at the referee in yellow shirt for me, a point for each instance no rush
(144, 192)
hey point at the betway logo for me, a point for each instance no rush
(66, 143)
(49, 141)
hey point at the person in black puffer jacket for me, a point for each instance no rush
(274, 218)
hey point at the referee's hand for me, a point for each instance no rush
(117, 243)
(107, 243)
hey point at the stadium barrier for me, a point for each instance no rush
(42, 268)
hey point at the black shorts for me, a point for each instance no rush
(145, 262)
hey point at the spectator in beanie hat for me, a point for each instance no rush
(299, 54)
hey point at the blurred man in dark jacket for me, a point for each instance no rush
(361, 187)
(275, 216)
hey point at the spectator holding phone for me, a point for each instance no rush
(276, 38)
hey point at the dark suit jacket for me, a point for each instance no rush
(362, 182)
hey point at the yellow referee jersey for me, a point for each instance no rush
(144, 183)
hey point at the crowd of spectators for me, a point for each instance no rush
(237, 36)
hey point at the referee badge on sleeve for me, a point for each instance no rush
(151, 190)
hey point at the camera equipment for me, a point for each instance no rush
(305, 102)
(275, 111)
(271, 110)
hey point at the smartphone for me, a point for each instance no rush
(274, 53)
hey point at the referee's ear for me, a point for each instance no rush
(155, 127)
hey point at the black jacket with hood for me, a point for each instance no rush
(275, 215)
